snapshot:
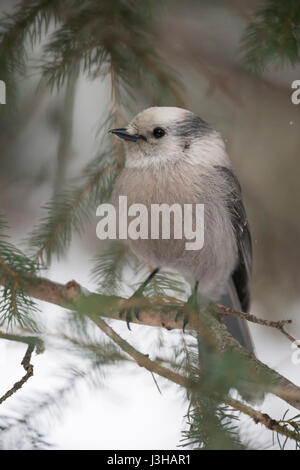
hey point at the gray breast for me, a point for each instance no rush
(183, 183)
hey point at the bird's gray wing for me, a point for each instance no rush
(238, 291)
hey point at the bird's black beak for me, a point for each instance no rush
(124, 134)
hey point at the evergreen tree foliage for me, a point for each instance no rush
(274, 36)
(114, 40)
(15, 305)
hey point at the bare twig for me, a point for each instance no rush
(264, 419)
(29, 373)
(279, 325)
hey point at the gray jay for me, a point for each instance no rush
(174, 156)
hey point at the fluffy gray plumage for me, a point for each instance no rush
(189, 164)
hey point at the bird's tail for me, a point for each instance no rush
(237, 326)
(239, 329)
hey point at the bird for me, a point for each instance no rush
(173, 156)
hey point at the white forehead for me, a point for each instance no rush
(160, 115)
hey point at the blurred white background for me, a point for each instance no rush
(261, 128)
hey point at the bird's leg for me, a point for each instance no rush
(193, 298)
(192, 302)
(138, 293)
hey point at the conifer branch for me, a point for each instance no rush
(69, 209)
(15, 305)
(264, 419)
(73, 296)
(279, 325)
(34, 341)
(66, 130)
(143, 361)
(273, 36)
(29, 373)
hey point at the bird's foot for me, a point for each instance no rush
(193, 300)
(130, 311)
(191, 304)
(182, 313)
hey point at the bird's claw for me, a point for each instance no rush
(184, 314)
(138, 294)
(128, 313)
(192, 303)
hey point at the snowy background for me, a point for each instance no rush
(261, 128)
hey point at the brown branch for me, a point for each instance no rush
(264, 419)
(143, 361)
(60, 294)
(160, 312)
(29, 373)
(279, 325)
(154, 367)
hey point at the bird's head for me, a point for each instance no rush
(165, 135)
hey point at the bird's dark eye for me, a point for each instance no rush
(158, 132)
